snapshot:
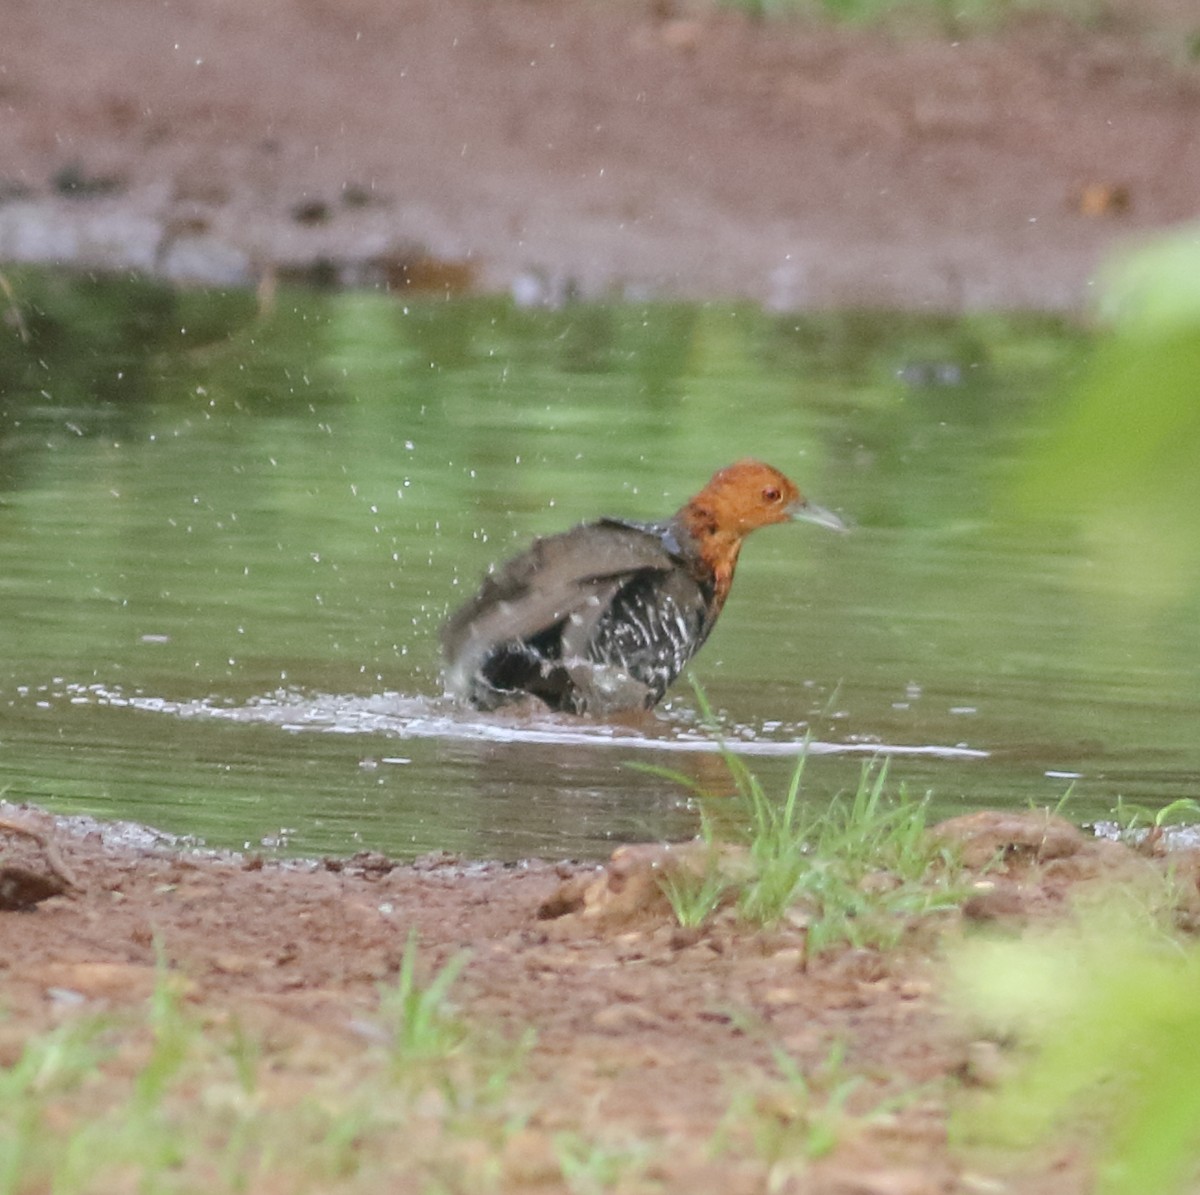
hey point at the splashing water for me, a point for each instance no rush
(401, 717)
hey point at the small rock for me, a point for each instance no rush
(568, 897)
(683, 936)
(991, 901)
(120, 981)
(985, 1065)
(418, 271)
(529, 1158)
(682, 33)
(899, 1181)
(236, 964)
(75, 182)
(875, 883)
(860, 965)
(310, 211)
(782, 997)
(620, 1018)
(1098, 199)
(987, 835)
(21, 888)
(790, 956)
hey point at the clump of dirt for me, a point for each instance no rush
(46, 875)
(640, 1025)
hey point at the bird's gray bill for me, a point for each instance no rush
(809, 512)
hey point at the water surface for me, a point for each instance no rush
(227, 538)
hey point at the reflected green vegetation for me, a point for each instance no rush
(204, 502)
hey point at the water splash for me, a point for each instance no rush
(403, 717)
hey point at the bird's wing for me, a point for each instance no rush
(574, 573)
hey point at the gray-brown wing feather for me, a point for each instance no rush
(556, 576)
(565, 581)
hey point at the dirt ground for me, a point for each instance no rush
(551, 149)
(635, 148)
(640, 1024)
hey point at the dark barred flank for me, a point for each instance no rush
(604, 617)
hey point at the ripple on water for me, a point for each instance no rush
(404, 717)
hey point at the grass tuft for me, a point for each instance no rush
(696, 894)
(791, 1118)
(1134, 821)
(792, 1115)
(590, 1167)
(856, 871)
(168, 1097)
(421, 1027)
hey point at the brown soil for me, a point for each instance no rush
(640, 1025)
(550, 148)
(592, 148)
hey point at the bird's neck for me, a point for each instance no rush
(712, 550)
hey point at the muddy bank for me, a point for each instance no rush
(591, 149)
(644, 1030)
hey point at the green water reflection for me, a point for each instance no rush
(203, 503)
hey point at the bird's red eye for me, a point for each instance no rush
(771, 494)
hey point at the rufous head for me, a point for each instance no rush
(750, 494)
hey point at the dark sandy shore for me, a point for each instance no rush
(549, 149)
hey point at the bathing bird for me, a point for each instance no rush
(602, 618)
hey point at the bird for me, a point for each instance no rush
(601, 619)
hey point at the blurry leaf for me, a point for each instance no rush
(1122, 458)
(1155, 289)
(1112, 1015)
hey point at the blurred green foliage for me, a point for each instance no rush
(1123, 455)
(1111, 1010)
(1112, 1015)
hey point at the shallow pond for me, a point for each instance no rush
(228, 536)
